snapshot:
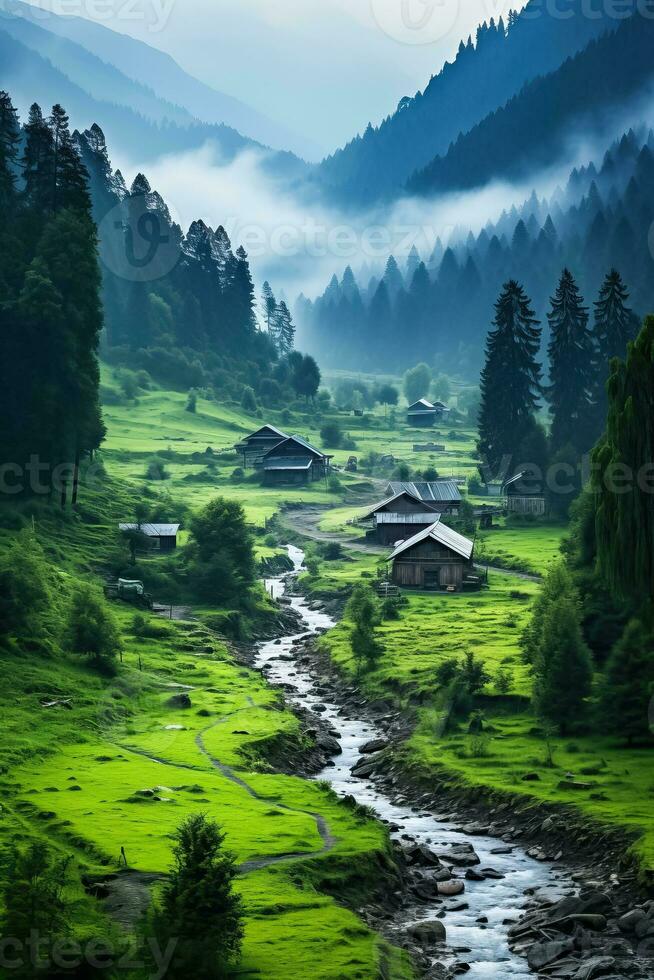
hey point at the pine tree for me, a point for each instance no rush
(615, 324)
(629, 685)
(563, 666)
(286, 330)
(69, 177)
(364, 613)
(9, 137)
(38, 162)
(571, 368)
(199, 907)
(268, 310)
(510, 381)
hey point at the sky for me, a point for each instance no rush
(324, 67)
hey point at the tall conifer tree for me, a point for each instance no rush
(510, 381)
(571, 368)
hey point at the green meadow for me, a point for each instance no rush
(122, 766)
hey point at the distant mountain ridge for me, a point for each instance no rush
(131, 128)
(160, 87)
(485, 75)
(534, 128)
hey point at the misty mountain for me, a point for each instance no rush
(31, 77)
(601, 219)
(535, 128)
(99, 79)
(179, 96)
(486, 73)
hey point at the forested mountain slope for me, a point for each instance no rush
(600, 219)
(486, 73)
(535, 128)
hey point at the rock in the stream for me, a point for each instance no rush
(329, 744)
(365, 767)
(375, 745)
(428, 933)
(628, 922)
(462, 855)
(451, 888)
(598, 966)
(543, 954)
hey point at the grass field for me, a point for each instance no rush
(123, 767)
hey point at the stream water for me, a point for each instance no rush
(484, 946)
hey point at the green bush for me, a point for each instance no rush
(91, 630)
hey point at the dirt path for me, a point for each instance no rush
(328, 839)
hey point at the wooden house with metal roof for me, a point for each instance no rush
(294, 461)
(422, 414)
(398, 517)
(443, 496)
(435, 559)
(524, 495)
(255, 446)
(162, 537)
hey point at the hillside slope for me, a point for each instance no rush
(484, 76)
(534, 129)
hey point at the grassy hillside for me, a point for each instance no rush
(92, 764)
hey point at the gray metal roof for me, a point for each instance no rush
(391, 499)
(439, 491)
(299, 441)
(266, 430)
(420, 407)
(153, 530)
(442, 534)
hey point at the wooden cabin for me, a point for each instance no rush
(295, 461)
(255, 446)
(399, 517)
(163, 537)
(422, 414)
(524, 495)
(436, 559)
(443, 496)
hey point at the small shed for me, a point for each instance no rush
(295, 461)
(443, 496)
(436, 559)
(163, 537)
(255, 446)
(525, 495)
(399, 517)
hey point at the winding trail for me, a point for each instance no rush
(329, 840)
